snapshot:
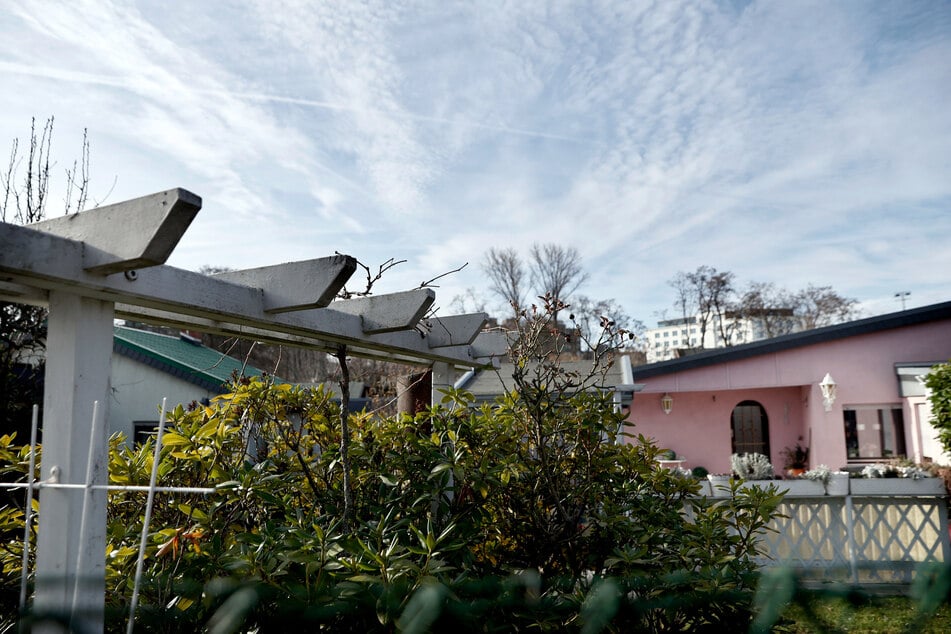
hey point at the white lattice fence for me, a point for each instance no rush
(865, 540)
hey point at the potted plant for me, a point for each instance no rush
(896, 479)
(752, 466)
(795, 459)
(746, 466)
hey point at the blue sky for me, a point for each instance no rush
(790, 142)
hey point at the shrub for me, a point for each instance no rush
(530, 513)
(938, 382)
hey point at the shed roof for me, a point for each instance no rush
(180, 356)
(485, 385)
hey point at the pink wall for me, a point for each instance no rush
(698, 427)
(786, 384)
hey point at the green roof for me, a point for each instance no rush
(180, 356)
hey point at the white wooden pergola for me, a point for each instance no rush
(92, 267)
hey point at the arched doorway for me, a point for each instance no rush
(750, 428)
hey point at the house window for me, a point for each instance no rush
(750, 428)
(142, 429)
(874, 431)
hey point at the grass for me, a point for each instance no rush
(869, 615)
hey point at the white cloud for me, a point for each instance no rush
(789, 142)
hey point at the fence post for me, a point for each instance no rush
(79, 352)
(850, 535)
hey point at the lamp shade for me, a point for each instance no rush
(667, 403)
(828, 388)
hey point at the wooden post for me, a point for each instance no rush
(443, 378)
(79, 349)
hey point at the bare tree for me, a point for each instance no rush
(818, 306)
(686, 300)
(556, 272)
(770, 307)
(694, 297)
(721, 301)
(506, 275)
(24, 192)
(710, 297)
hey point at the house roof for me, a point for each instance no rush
(485, 385)
(182, 357)
(890, 321)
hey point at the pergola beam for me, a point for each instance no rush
(409, 347)
(388, 313)
(296, 285)
(133, 234)
(31, 258)
(454, 330)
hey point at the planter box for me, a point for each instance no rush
(712, 487)
(897, 486)
(838, 485)
(718, 486)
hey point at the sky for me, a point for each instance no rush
(788, 142)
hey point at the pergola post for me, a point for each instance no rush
(79, 351)
(443, 378)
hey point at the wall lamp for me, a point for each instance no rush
(828, 388)
(667, 403)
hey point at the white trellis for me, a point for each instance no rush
(859, 539)
(92, 267)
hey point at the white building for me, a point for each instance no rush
(674, 338)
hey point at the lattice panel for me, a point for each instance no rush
(864, 540)
(897, 533)
(813, 537)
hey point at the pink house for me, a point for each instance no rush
(765, 396)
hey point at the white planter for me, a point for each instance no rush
(716, 486)
(897, 486)
(838, 485)
(801, 488)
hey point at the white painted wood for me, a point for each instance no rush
(490, 344)
(409, 347)
(79, 347)
(444, 377)
(21, 294)
(388, 313)
(297, 285)
(164, 294)
(129, 235)
(454, 330)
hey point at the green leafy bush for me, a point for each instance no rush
(535, 512)
(938, 382)
(458, 514)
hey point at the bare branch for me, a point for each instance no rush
(429, 283)
(371, 278)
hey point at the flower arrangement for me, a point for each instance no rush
(822, 474)
(879, 470)
(752, 466)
